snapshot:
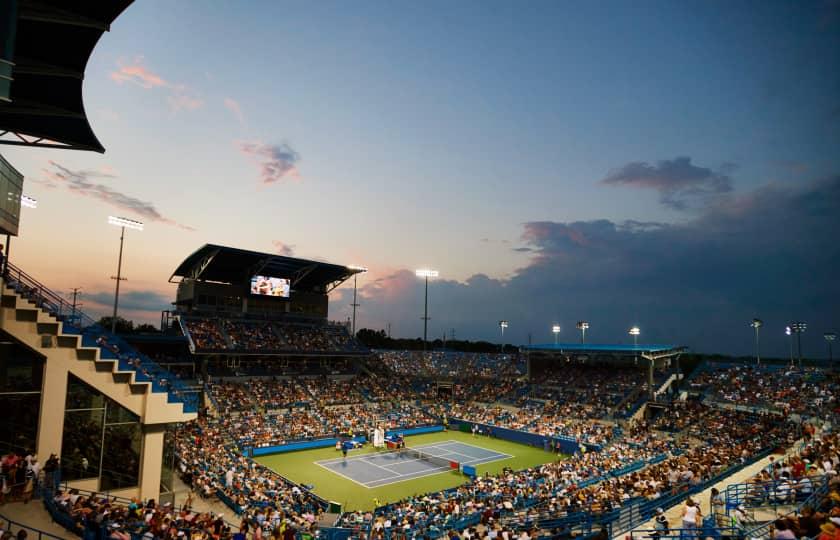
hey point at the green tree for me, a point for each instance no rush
(123, 326)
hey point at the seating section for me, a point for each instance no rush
(253, 336)
(808, 392)
(111, 346)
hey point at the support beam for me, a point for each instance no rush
(151, 462)
(51, 418)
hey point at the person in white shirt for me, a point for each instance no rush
(690, 517)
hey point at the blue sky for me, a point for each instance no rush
(462, 136)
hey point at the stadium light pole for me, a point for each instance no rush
(635, 331)
(556, 330)
(583, 326)
(789, 334)
(426, 274)
(829, 338)
(357, 270)
(799, 328)
(122, 223)
(502, 326)
(756, 324)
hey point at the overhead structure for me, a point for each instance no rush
(224, 264)
(657, 356)
(44, 49)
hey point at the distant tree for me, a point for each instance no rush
(378, 339)
(146, 328)
(123, 326)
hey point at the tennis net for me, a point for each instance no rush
(429, 458)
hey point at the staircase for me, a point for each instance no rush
(73, 344)
(661, 389)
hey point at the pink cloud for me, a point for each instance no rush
(234, 107)
(137, 73)
(181, 97)
(276, 162)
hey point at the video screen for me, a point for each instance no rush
(270, 286)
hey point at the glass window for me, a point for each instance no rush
(101, 439)
(19, 428)
(121, 460)
(20, 369)
(82, 396)
(117, 414)
(21, 377)
(81, 444)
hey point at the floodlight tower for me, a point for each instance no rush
(635, 331)
(555, 329)
(756, 324)
(502, 326)
(583, 326)
(829, 338)
(357, 270)
(799, 328)
(122, 223)
(426, 274)
(789, 334)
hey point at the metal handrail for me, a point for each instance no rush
(51, 302)
(43, 297)
(8, 523)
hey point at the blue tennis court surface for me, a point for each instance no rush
(380, 469)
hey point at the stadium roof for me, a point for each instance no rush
(232, 265)
(44, 52)
(595, 348)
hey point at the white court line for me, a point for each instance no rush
(430, 472)
(412, 476)
(342, 475)
(497, 456)
(381, 467)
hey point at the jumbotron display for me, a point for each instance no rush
(270, 286)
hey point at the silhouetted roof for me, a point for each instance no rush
(232, 265)
(52, 44)
(601, 348)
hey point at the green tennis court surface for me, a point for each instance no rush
(491, 455)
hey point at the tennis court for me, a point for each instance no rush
(380, 469)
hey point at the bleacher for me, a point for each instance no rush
(76, 322)
(267, 337)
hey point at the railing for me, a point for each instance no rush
(704, 532)
(76, 322)
(772, 494)
(32, 533)
(43, 297)
(764, 530)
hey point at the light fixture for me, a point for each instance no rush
(125, 222)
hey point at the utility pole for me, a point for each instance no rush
(77, 291)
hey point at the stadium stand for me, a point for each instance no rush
(275, 381)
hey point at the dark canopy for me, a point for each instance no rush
(232, 265)
(53, 40)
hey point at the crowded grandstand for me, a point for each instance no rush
(616, 434)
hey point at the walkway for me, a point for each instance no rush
(674, 514)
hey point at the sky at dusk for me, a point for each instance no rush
(672, 165)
